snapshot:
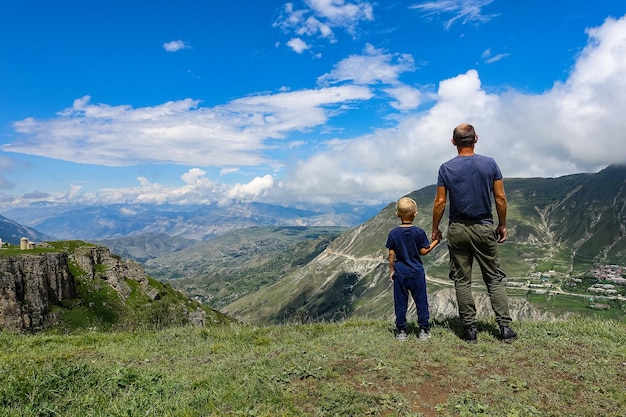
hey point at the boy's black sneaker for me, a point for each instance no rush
(471, 334)
(507, 334)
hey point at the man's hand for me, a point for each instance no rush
(436, 235)
(501, 232)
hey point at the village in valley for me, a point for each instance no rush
(600, 285)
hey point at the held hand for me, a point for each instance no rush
(436, 235)
(501, 232)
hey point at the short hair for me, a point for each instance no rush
(406, 207)
(464, 135)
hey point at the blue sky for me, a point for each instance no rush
(315, 101)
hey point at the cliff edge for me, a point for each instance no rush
(73, 284)
(29, 285)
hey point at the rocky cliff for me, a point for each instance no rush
(99, 263)
(29, 285)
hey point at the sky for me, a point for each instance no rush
(297, 103)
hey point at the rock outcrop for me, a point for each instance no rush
(99, 263)
(29, 285)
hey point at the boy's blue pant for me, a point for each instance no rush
(416, 286)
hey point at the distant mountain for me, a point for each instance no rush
(197, 222)
(144, 247)
(12, 232)
(224, 268)
(563, 224)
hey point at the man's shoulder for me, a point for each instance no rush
(484, 157)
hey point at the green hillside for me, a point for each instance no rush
(222, 269)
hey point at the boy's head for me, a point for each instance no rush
(406, 209)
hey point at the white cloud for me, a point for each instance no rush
(465, 11)
(175, 46)
(486, 55)
(196, 188)
(407, 98)
(373, 66)
(254, 188)
(496, 58)
(179, 132)
(341, 13)
(298, 45)
(320, 17)
(196, 176)
(226, 171)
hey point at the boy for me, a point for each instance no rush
(406, 244)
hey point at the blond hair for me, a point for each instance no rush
(406, 207)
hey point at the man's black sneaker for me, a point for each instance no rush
(507, 334)
(471, 334)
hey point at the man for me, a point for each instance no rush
(470, 180)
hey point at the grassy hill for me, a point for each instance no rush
(573, 367)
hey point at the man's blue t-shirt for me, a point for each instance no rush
(406, 243)
(469, 181)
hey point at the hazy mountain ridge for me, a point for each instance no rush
(565, 223)
(197, 222)
(146, 246)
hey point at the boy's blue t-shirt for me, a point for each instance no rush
(406, 243)
(469, 181)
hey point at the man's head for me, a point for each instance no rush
(406, 209)
(464, 135)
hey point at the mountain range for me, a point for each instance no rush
(195, 222)
(263, 263)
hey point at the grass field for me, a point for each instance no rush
(573, 367)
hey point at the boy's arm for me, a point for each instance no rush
(392, 258)
(427, 249)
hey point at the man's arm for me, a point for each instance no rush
(439, 207)
(501, 206)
